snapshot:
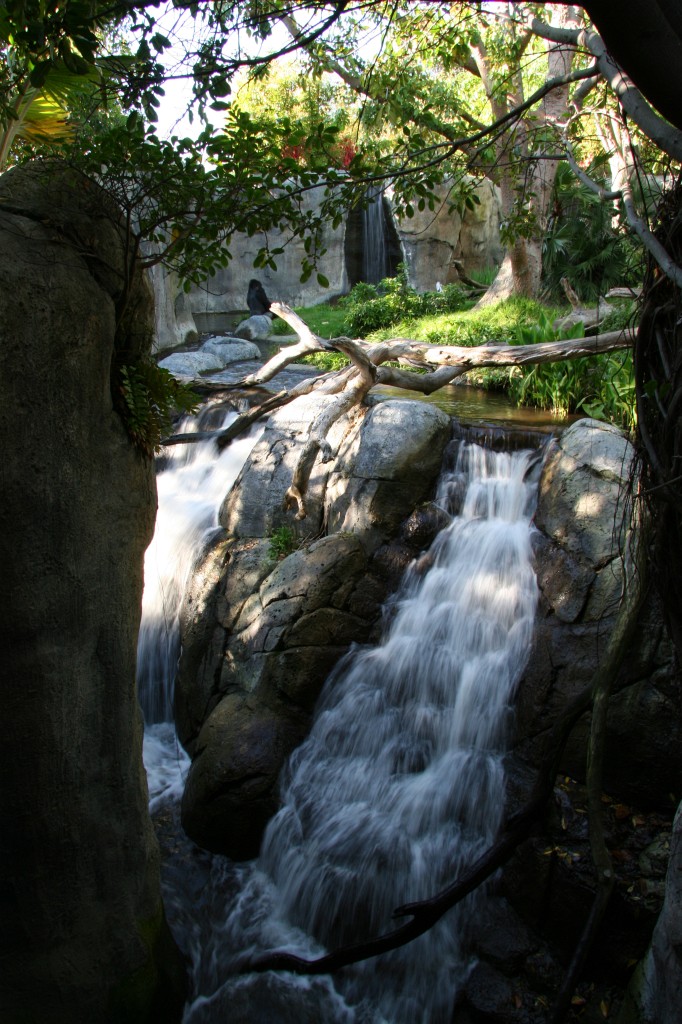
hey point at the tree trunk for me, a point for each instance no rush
(533, 182)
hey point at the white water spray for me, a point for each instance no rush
(190, 488)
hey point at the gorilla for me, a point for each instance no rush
(256, 299)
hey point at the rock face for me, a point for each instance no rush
(579, 547)
(432, 240)
(223, 295)
(173, 321)
(654, 994)
(85, 938)
(260, 635)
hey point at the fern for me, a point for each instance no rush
(150, 395)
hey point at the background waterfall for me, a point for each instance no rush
(398, 788)
(375, 266)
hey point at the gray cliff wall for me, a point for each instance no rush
(429, 242)
(84, 936)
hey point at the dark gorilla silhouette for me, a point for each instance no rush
(256, 299)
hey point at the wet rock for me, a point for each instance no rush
(231, 791)
(489, 996)
(261, 634)
(254, 328)
(501, 938)
(579, 551)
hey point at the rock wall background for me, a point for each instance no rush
(429, 242)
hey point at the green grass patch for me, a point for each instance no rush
(496, 324)
(325, 320)
(601, 386)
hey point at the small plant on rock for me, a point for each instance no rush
(282, 542)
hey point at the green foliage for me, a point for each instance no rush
(372, 307)
(600, 386)
(488, 325)
(282, 542)
(147, 397)
(582, 244)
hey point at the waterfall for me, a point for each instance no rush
(399, 787)
(374, 249)
(191, 483)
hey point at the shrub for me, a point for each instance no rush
(600, 386)
(373, 307)
(282, 542)
(581, 242)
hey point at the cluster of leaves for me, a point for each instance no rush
(582, 243)
(602, 386)
(148, 399)
(282, 542)
(370, 308)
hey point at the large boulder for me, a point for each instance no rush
(582, 540)
(261, 632)
(85, 937)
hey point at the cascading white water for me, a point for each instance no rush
(374, 248)
(399, 786)
(190, 487)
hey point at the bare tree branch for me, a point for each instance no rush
(443, 364)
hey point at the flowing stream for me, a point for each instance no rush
(399, 787)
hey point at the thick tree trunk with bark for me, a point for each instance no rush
(521, 269)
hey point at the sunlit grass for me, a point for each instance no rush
(325, 320)
(600, 387)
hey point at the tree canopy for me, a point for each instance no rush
(504, 89)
